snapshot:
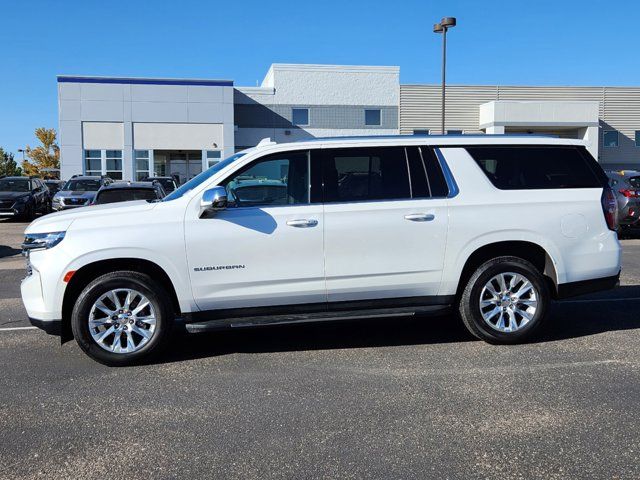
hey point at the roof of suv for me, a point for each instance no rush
(436, 140)
(138, 185)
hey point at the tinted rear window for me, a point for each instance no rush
(124, 195)
(527, 168)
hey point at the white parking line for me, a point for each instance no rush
(11, 329)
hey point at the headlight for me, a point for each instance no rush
(41, 240)
(22, 199)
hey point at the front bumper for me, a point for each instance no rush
(16, 210)
(573, 289)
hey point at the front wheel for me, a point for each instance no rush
(122, 318)
(504, 301)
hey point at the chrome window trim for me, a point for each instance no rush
(448, 176)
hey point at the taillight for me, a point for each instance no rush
(610, 208)
(630, 193)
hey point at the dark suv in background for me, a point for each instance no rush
(168, 183)
(127, 191)
(23, 197)
(79, 191)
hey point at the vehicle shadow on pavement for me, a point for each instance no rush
(7, 251)
(582, 316)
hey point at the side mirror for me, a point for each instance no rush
(213, 200)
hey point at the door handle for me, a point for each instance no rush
(420, 217)
(303, 223)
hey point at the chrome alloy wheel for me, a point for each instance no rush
(508, 302)
(122, 320)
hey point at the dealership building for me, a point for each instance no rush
(130, 128)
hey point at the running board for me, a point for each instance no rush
(255, 321)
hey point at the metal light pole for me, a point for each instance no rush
(445, 24)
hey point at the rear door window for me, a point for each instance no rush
(543, 167)
(365, 174)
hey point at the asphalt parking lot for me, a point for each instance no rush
(414, 398)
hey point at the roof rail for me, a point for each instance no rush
(265, 142)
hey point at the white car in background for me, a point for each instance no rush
(492, 227)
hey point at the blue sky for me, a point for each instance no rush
(565, 42)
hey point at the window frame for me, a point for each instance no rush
(379, 110)
(137, 171)
(293, 122)
(92, 172)
(268, 157)
(604, 133)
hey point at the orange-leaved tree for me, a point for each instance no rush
(44, 157)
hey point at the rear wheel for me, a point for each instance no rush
(504, 301)
(122, 318)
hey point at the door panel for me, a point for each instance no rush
(373, 251)
(247, 257)
(266, 248)
(381, 239)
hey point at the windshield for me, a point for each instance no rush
(14, 185)
(82, 185)
(198, 179)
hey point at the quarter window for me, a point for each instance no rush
(610, 138)
(372, 117)
(300, 116)
(277, 180)
(637, 138)
(526, 168)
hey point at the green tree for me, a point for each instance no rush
(8, 165)
(46, 156)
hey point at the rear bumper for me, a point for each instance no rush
(52, 327)
(573, 289)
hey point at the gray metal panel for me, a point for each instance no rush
(619, 109)
(257, 115)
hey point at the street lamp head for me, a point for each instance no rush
(437, 28)
(448, 22)
(20, 150)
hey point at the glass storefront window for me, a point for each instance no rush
(141, 162)
(213, 157)
(114, 164)
(92, 162)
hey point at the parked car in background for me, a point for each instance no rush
(626, 185)
(168, 183)
(23, 197)
(79, 191)
(54, 186)
(126, 191)
(491, 227)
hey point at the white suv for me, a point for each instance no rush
(493, 227)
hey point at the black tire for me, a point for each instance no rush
(29, 213)
(469, 302)
(140, 282)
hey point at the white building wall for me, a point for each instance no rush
(336, 96)
(90, 112)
